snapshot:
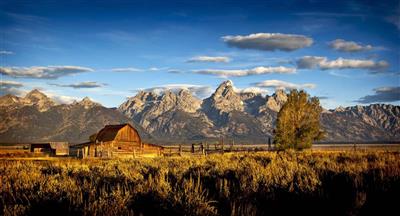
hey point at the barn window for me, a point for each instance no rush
(119, 147)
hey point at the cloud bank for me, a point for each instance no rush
(311, 62)
(279, 84)
(222, 59)
(349, 46)
(383, 94)
(247, 72)
(42, 72)
(269, 41)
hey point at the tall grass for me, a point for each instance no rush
(270, 183)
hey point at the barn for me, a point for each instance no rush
(117, 141)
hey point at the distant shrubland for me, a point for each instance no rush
(269, 183)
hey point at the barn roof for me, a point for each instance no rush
(52, 145)
(109, 132)
(59, 145)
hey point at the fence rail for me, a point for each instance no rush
(197, 149)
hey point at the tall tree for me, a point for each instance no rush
(298, 123)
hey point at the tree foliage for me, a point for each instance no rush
(298, 123)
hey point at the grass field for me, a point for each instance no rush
(264, 183)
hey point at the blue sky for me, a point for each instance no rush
(346, 52)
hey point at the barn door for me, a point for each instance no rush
(85, 151)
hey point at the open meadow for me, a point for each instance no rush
(261, 183)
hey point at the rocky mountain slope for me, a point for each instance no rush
(181, 117)
(250, 117)
(363, 123)
(36, 118)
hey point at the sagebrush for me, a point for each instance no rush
(269, 183)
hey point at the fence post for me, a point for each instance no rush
(180, 149)
(222, 145)
(269, 143)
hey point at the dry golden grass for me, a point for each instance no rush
(313, 183)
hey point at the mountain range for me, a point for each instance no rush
(171, 117)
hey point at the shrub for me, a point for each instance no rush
(273, 183)
(298, 123)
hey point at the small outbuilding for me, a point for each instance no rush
(121, 141)
(50, 148)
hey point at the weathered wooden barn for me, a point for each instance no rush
(50, 148)
(121, 141)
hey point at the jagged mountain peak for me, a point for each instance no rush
(38, 99)
(34, 98)
(65, 122)
(144, 96)
(9, 99)
(225, 89)
(280, 93)
(168, 94)
(223, 100)
(35, 91)
(276, 100)
(184, 93)
(87, 103)
(181, 116)
(187, 102)
(339, 109)
(36, 95)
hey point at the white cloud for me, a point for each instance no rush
(197, 90)
(15, 88)
(255, 90)
(209, 59)
(247, 72)
(6, 52)
(341, 63)
(310, 62)
(382, 94)
(9, 83)
(349, 46)
(175, 71)
(10, 87)
(43, 72)
(60, 99)
(157, 68)
(278, 84)
(269, 41)
(128, 69)
(87, 84)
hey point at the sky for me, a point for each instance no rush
(344, 52)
